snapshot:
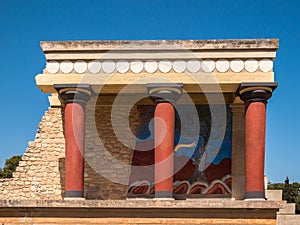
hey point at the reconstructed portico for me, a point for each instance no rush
(179, 124)
(235, 73)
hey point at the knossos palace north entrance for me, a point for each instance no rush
(146, 132)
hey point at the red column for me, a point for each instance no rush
(255, 97)
(164, 95)
(164, 125)
(74, 161)
(74, 98)
(255, 129)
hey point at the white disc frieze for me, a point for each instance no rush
(251, 65)
(136, 66)
(66, 66)
(52, 67)
(108, 66)
(165, 66)
(193, 65)
(236, 65)
(80, 66)
(179, 66)
(151, 66)
(94, 66)
(208, 65)
(266, 65)
(222, 65)
(122, 66)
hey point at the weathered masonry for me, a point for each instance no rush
(179, 124)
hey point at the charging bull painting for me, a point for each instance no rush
(202, 152)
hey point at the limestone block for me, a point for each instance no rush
(290, 209)
(273, 195)
(22, 163)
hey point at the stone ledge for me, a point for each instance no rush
(184, 210)
(170, 204)
(136, 221)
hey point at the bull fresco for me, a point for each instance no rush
(202, 156)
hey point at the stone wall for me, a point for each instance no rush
(107, 158)
(41, 173)
(38, 175)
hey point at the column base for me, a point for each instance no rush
(73, 194)
(73, 198)
(163, 199)
(164, 195)
(255, 195)
(254, 199)
(138, 199)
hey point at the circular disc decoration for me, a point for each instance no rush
(122, 66)
(151, 66)
(222, 65)
(94, 66)
(208, 65)
(179, 66)
(165, 66)
(193, 65)
(251, 65)
(237, 65)
(66, 66)
(266, 65)
(108, 66)
(80, 66)
(136, 66)
(52, 67)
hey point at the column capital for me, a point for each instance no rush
(74, 93)
(165, 92)
(256, 92)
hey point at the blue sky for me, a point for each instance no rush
(23, 24)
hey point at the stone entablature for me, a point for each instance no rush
(116, 64)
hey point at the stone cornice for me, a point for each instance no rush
(159, 44)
